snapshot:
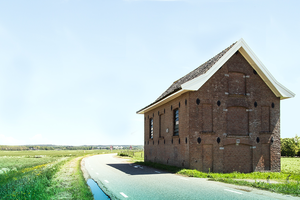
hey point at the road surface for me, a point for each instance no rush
(122, 180)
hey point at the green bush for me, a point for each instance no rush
(290, 146)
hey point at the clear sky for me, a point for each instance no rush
(75, 72)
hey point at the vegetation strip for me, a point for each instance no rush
(28, 183)
(70, 183)
(44, 174)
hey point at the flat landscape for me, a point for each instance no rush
(55, 174)
(44, 174)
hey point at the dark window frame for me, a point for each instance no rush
(151, 127)
(176, 122)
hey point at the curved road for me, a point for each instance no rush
(122, 180)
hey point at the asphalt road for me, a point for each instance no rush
(122, 180)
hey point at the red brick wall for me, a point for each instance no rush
(161, 149)
(237, 158)
(207, 118)
(236, 83)
(244, 113)
(237, 121)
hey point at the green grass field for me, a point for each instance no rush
(290, 165)
(37, 174)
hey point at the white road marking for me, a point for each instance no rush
(124, 195)
(233, 191)
(106, 181)
(157, 172)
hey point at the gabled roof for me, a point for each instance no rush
(202, 69)
(195, 79)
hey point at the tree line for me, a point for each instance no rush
(290, 146)
(58, 147)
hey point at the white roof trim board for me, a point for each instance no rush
(241, 46)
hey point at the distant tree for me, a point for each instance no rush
(297, 141)
(289, 147)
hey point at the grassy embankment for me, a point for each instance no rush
(133, 156)
(43, 174)
(288, 179)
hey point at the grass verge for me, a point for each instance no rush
(292, 187)
(133, 156)
(28, 183)
(69, 182)
(44, 175)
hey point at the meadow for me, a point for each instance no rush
(44, 174)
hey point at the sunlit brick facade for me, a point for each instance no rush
(231, 123)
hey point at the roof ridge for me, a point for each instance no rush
(202, 69)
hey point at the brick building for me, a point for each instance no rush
(224, 116)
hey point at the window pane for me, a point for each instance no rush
(176, 122)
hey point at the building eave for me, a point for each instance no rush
(162, 101)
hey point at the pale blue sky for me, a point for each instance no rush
(75, 72)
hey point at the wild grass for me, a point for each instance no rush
(133, 156)
(54, 153)
(28, 183)
(69, 183)
(29, 174)
(290, 165)
(20, 162)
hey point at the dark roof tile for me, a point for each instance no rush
(202, 69)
